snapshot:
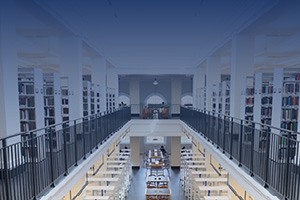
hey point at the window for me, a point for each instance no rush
(155, 139)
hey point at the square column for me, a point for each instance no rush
(176, 95)
(175, 151)
(135, 151)
(99, 77)
(9, 99)
(198, 82)
(134, 93)
(71, 66)
(113, 82)
(213, 76)
(242, 65)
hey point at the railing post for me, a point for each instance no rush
(252, 150)
(218, 132)
(231, 138)
(224, 132)
(33, 165)
(6, 171)
(75, 143)
(83, 138)
(287, 164)
(241, 144)
(267, 158)
(65, 148)
(96, 130)
(50, 131)
(91, 138)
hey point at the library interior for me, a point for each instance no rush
(149, 100)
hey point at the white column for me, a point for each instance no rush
(134, 93)
(257, 98)
(135, 151)
(198, 82)
(242, 65)
(175, 151)
(71, 66)
(277, 98)
(176, 95)
(213, 76)
(113, 82)
(99, 77)
(9, 99)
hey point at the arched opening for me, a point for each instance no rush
(187, 100)
(124, 100)
(155, 98)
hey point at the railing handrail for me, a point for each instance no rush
(61, 123)
(236, 118)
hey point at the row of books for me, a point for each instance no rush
(249, 109)
(249, 118)
(267, 90)
(290, 101)
(250, 100)
(267, 100)
(290, 114)
(266, 111)
(25, 88)
(49, 101)
(25, 127)
(249, 91)
(266, 121)
(291, 88)
(292, 126)
(27, 115)
(26, 102)
(49, 112)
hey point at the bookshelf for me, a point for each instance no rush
(247, 99)
(290, 102)
(97, 98)
(226, 97)
(52, 98)
(93, 98)
(30, 88)
(214, 98)
(203, 98)
(66, 98)
(220, 101)
(86, 95)
(113, 98)
(264, 94)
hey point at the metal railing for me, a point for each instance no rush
(138, 111)
(31, 163)
(270, 154)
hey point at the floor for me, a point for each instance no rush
(138, 185)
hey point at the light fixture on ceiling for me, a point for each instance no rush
(155, 82)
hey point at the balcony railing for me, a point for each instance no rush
(163, 112)
(31, 163)
(270, 154)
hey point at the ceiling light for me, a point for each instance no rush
(155, 82)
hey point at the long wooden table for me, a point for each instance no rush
(157, 182)
(158, 193)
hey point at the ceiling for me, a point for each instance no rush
(157, 34)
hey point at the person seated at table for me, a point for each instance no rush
(163, 150)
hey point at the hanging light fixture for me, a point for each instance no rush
(155, 82)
